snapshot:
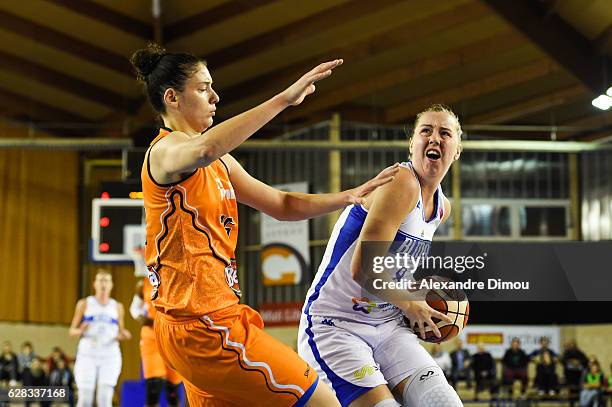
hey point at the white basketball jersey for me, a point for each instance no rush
(101, 333)
(335, 294)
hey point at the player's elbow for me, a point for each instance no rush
(207, 153)
(284, 208)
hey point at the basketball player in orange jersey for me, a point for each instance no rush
(190, 186)
(157, 375)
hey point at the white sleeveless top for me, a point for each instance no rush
(103, 320)
(335, 294)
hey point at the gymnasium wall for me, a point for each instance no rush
(39, 249)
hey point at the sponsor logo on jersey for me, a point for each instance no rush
(227, 222)
(231, 277)
(363, 304)
(226, 193)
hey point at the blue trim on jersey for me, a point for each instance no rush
(346, 237)
(306, 396)
(345, 392)
(94, 318)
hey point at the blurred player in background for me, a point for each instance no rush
(156, 373)
(191, 186)
(99, 323)
(360, 345)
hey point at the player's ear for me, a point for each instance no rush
(171, 97)
(459, 150)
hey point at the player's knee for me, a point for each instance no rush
(172, 396)
(153, 390)
(428, 388)
(85, 397)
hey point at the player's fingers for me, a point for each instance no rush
(439, 315)
(434, 327)
(318, 76)
(422, 329)
(325, 66)
(381, 181)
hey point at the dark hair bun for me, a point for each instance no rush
(145, 60)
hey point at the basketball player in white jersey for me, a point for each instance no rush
(358, 343)
(98, 321)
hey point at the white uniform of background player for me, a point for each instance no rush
(98, 320)
(359, 344)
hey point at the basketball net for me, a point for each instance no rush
(138, 257)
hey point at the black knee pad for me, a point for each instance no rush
(154, 388)
(172, 396)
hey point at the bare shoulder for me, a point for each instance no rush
(404, 186)
(447, 209)
(172, 139)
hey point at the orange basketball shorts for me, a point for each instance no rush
(227, 359)
(152, 363)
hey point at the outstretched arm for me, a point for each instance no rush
(178, 153)
(293, 205)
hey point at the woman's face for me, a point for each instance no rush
(197, 102)
(103, 284)
(435, 144)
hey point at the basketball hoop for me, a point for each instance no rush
(138, 257)
(134, 246)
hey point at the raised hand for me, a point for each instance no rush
(295, 94)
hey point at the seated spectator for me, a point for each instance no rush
(62, 376)
(574, 364)
(515, 366)
(442, 358)
(9, 365)
(461, 362)
(546, 379)
(593, 385)
(26, 356)
(56, 354)
(536, 355)
(36, 376)
(484, 371)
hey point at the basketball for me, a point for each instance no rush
(453, 303)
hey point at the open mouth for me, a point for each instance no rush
(433, 154)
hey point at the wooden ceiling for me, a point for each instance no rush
(64, 63)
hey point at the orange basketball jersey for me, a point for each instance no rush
(191, 231)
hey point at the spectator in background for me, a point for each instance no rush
(26, 356)
(574, 364)
(515, 366)
(461, 361)
(484, 371)
(62, 376)
(442, 358)
(546, 379)
(36, 376)
(536, 355)
(56, 354)
(9, 365)
(593, 385)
